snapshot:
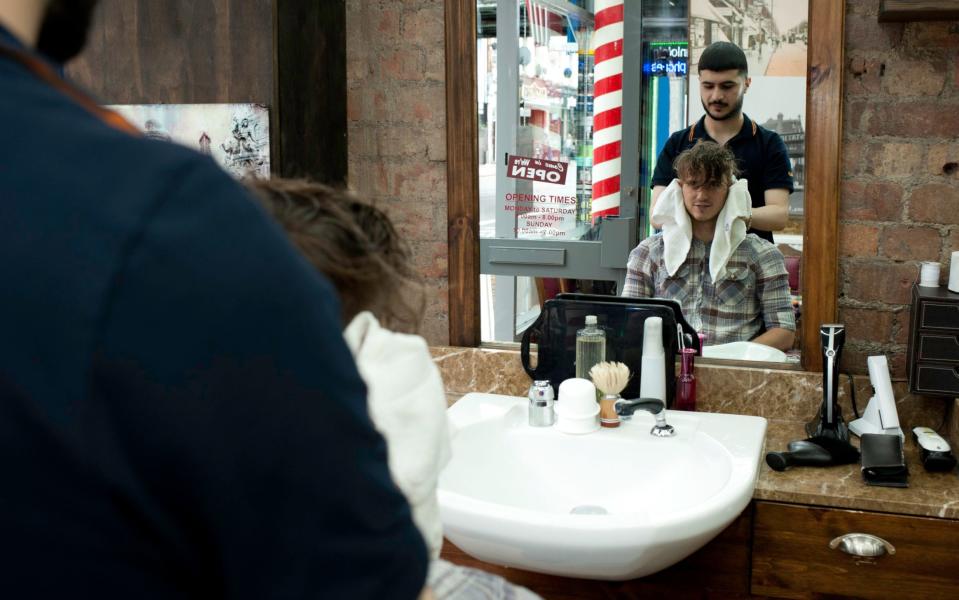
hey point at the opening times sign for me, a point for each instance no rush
(548, 210)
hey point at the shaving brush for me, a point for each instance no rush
(610, 378)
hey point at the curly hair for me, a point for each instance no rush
(706, 164)
(353, 243)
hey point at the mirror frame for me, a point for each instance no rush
(823, 132)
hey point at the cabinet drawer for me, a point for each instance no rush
(939, 315)
(792, 557)
(937, 379)
(942, 347)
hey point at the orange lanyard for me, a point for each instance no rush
(44, 73)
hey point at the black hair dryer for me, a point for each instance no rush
(829, 422)
(828, 441)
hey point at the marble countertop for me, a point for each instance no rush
(928, 494)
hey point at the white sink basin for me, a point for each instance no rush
(745, 351)
(615, 504)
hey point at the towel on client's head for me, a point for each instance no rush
(678, 229)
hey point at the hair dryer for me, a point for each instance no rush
(830, 424)
(828, 441)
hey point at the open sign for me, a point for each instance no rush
(536, 169)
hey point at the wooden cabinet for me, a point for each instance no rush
(792, 557)
(934, 342)
(776, 550)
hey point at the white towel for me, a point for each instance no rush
(671, 213)
(407, 403)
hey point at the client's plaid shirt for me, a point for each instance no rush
(752, 297)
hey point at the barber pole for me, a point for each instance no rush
(607, 108)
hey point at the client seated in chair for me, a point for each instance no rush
(732, 286)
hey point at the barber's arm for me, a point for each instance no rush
(773, 216)
(777, 338)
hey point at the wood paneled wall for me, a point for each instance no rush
(287, 54)
(179, 51)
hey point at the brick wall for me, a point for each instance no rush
(900, 192)
(397, 131)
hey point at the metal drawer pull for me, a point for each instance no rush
(862, 544)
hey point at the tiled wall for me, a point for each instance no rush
(900, 194)
(397, 130)
(900, 197)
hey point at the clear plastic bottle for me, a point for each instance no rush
(590, 347)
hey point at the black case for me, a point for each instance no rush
(623, 320)
(883, 462)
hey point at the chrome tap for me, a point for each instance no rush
(541, 404)
(657, 408)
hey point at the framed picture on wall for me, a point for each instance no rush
(236, 136)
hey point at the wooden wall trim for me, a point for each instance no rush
(462, 173)
(310, 42)
(823, 169)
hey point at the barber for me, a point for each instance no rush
(761, 155)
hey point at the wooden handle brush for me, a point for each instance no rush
(610, 378)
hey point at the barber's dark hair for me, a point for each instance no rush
(353, 243)
(723, 56)
(706, 164)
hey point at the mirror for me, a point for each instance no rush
(823, 116)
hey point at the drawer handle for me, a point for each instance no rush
(862, 544)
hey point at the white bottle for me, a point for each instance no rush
(652, 383)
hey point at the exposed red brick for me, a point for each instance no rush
(856, 117)
(431, 258)
(943, 159)
(436, 144)
(858, 240)
(911, 243)
(867, 324)
(876, 281)
(403, 65)
(934, 203)
(900, 329)
(422, 181)
(882, 201)
(369, 177)
(914, 77)
(417, 104)
(894, 159)
(863, 76)
(897, 362)
(915, 119)
(854, 357)
(387, 24)
(926, 35)
(852, 152)
(399, 141)
(953, 244)
(424, 28)
(865, 32)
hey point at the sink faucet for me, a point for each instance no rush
(541, 404)
(657, 408)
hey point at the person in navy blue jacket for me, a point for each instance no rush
(179, 414)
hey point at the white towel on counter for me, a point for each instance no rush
(407, 403)
(677, 227)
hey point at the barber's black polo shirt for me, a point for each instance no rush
(760, 154)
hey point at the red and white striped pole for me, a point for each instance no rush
(607, 107)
